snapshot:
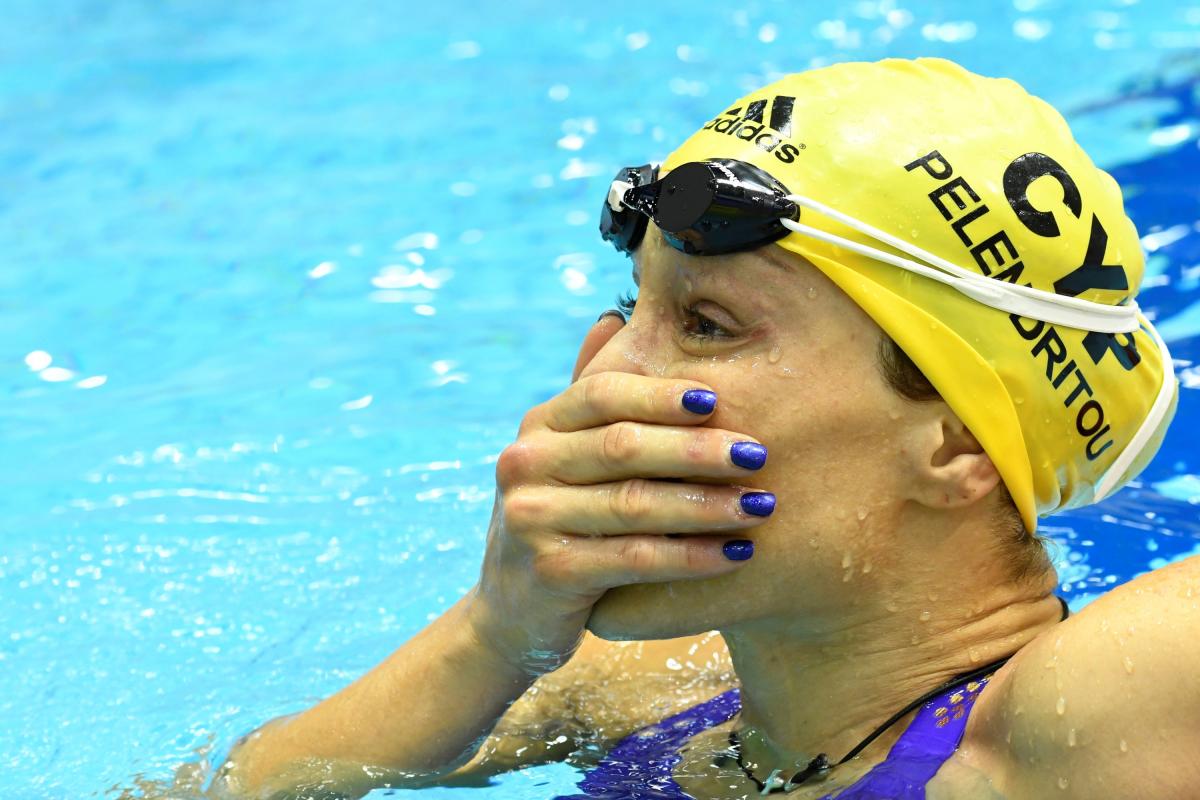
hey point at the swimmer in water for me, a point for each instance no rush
(778, 536)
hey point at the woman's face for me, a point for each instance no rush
(794, 364)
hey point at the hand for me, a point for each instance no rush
(586, 498)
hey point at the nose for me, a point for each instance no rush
(601, 333)
(612, 345)
(639, 347)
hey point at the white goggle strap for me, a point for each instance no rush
(1025, 301)
(616, 194)
(617, 189)
(1150, 425)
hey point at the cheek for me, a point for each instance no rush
(825, 422)
(818, 397)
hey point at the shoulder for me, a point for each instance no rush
(616, 688)
(605, 692)
(1105, 704)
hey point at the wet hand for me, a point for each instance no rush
(615, 481)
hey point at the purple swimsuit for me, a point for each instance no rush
(640, 766)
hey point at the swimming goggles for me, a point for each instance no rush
(725, 206)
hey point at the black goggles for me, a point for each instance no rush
(702, 207)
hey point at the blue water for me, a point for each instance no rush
(279, 279)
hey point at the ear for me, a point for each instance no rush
(950, 468)
(605, 328)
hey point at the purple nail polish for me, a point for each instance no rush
(759, 504)
(748, 455)
(738, 549)
(699, 401)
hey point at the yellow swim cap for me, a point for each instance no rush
(976, 172)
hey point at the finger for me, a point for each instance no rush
(645, 506)
(604, 329)
(609, 396)
(599, 564)
(633, 449)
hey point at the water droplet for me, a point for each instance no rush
(814, 542)
(866, 567)
(925, 616)
(775, 354)
(1072, 740)
(1124, 746)
(1061, 705)
(812, 293)
(673, 664)
(1063, 782)
(933, 596)
(892, 606)
(846, 559)
(1128, 662)
(862, 514)
(973, 654)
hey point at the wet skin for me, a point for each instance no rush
(875, 577)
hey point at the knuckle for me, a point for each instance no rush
(523, 508)
(630, 504)
(695, 556)
(620, 442)
(637, 555)
(598, 390)
(514, 463)
(551, 566)
(701, 444)
(534, 418)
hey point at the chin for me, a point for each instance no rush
(660, 610)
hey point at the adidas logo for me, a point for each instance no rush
(748, 126)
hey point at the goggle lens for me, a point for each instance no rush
(702, 207)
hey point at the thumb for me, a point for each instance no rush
(605, 328)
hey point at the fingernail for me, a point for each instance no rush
(699, 401)
(760, 504)
(612, 312)
(748, 455)
(738, 549)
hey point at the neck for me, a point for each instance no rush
(822, 688)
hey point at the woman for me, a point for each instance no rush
(908, 285)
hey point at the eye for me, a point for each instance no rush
(701, 328)
(696, 326)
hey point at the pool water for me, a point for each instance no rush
(280, 279)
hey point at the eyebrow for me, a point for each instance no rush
(772, 256)
(769, 254)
